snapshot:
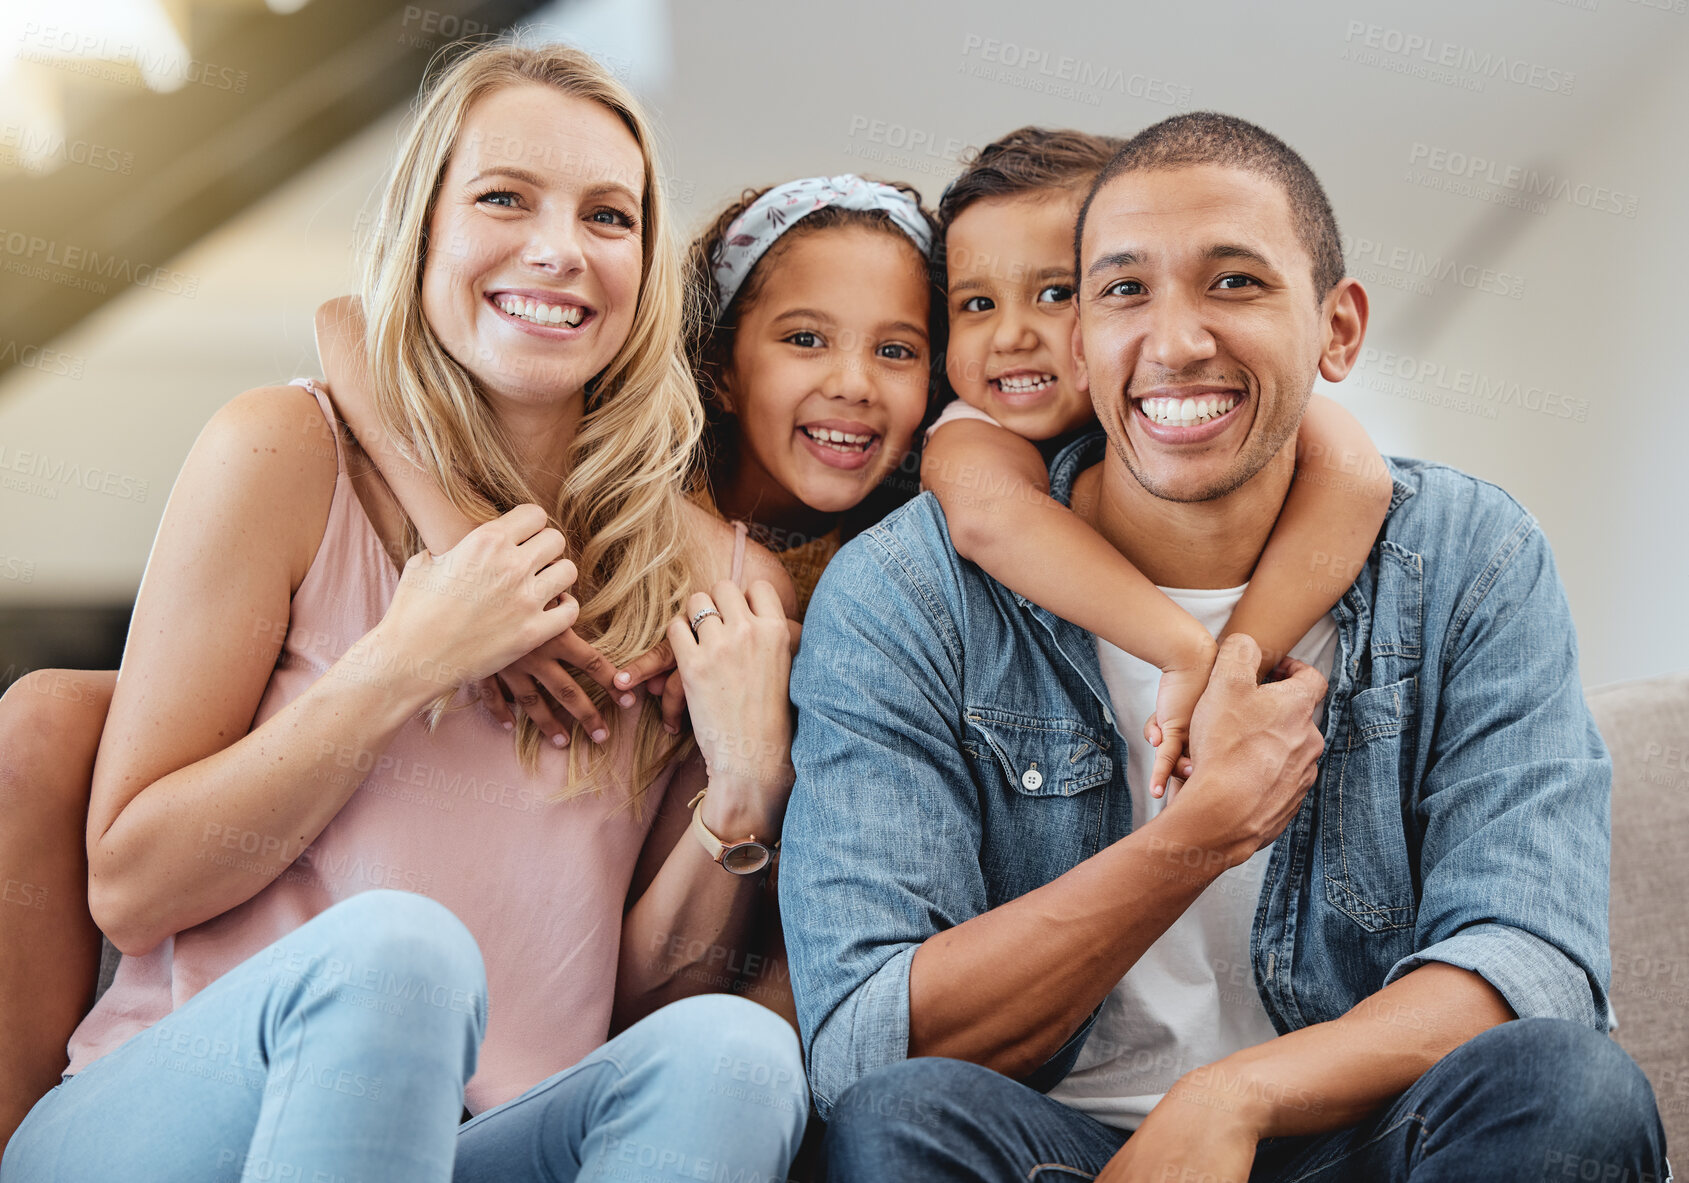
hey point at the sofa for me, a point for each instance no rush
(1646, 726)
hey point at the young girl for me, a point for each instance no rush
(268, 760)
(1007, 249)
(816, 332)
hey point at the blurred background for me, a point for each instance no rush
(182, 182)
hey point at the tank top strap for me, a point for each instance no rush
(323, 402)
(740, 530)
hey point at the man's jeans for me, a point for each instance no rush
(1536, 1099)
(289, 1069)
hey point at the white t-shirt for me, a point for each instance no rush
(954, 410)
(1191, 998)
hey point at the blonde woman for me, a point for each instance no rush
(320, 857)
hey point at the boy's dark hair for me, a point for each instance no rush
(1207, 137)
(711, 329)
(1026, 161)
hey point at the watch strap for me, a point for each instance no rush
(713, 844)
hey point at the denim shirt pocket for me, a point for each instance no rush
(1049, 820)
(1041, 757)
(1368, 876)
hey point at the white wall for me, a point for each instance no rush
(752, 93)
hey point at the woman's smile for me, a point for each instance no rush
(541, 314)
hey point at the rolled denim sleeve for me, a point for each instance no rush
(1515, 802)
(880, 848)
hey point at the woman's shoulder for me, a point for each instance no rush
(269, 455)
(715, 541)
(289, 415)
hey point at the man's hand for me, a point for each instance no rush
(1255, 751)
(1194, 1132)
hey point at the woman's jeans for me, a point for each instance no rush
(340, 1053)
(1532, 1099)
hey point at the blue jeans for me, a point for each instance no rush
(340, 1053)
(1536, 1099)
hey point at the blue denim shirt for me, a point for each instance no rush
(1460, 814)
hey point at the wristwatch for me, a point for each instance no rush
(746, 856)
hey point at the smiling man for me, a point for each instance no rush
(1012, 962)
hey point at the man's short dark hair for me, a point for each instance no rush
(1207, 137)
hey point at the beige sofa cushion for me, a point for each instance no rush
(1646, 726)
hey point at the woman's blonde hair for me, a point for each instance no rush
(633, 452)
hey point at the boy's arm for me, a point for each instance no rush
(1324, 534)
(340, 347)
(994, 489)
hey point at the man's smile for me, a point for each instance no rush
(1189, 415)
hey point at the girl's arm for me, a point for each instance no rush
(995, 492)
(194, 809)
(1324, 534)
(340, 347)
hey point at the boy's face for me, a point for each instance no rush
(1010, 263)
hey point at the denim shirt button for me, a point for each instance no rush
(1032, 779)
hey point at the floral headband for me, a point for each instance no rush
(777, 211)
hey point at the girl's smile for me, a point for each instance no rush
(829, 373)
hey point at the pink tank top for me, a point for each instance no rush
(450, 815)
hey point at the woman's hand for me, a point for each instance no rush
(654, 669)
(459, 616)
(736, 669)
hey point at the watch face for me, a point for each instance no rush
(745, 858)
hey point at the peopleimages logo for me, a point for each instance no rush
(46, 360)
(33, 256)
(34, 150)
(899, 148)
(1418, 271)
(1531, 186)
(101, 56)
(1062, 75)
(1487, 65)
(1461, 388)
(39, 474)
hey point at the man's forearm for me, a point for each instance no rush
(1335, 1074)
(1007, 988)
